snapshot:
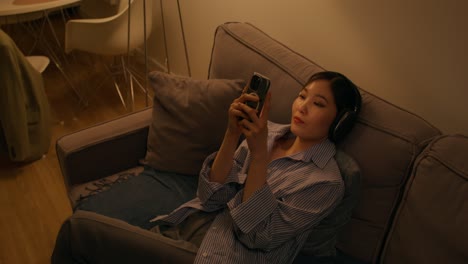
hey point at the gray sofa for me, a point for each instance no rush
(412, 207)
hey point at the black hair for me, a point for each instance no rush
(347, 100)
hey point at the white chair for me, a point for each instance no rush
(101, 8)
(39, 63)
(112, 36)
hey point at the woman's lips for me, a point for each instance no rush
(297, 120)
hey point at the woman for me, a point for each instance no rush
(269, 192)
(258, 202)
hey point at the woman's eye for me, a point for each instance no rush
(319, 104)
(301, 96)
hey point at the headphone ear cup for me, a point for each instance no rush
(342, 125)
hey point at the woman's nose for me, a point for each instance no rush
(303, 108)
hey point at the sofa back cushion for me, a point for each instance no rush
(384, 142)
(430, 225)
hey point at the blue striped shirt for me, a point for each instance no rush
(274, 223)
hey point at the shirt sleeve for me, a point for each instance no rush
(214, 194)
(265, 222)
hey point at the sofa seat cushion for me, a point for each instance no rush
(189, 120)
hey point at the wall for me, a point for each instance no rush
(411, 53)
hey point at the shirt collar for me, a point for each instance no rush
(319, 153)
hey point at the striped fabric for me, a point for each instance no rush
(273, 225)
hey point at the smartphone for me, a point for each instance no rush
(259, 85)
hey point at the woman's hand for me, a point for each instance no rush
(238, 111)
(255, 127)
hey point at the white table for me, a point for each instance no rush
(18, 7)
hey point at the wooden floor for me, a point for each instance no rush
(33, 200)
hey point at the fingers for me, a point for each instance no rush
(243, 111)
(247, 117)
(248, 128)
(250, 123)
(237, 112)
(247, 97)
(239, 105)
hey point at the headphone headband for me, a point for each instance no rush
(345, 120)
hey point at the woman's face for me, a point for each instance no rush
(313, 111)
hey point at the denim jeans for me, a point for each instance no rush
(141, 198)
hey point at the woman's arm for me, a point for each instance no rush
(256, 176)
(255, 130)
(222, 164)
(238, 113)
(219, 181)
(266, 221)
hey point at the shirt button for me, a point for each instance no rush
(204, 254)
(214, 227)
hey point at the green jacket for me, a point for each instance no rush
(24, 109)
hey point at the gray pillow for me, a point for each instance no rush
(189, 120)
(322, 239)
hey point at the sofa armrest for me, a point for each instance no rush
(103, 149)
(100, 239)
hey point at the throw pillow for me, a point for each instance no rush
(189, 120)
